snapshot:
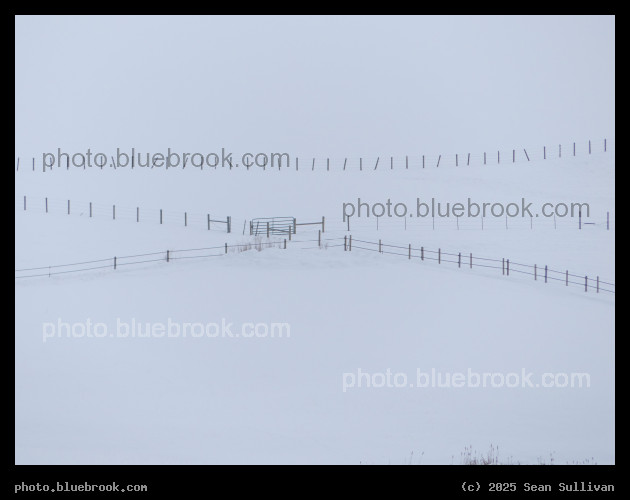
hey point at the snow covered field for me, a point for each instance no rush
(291, 399)
(309, 353)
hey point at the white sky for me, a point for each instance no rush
(343, 86)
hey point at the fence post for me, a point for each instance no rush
(589, 147)
(90, 209)
(580, 219)
(502, 266)
(319, 238)
(566, 280)
(24, 202)
(296, 164)
(439, 256)
(508, 267)
(544, 152)
(47, 204)
(185, 219)
(160, 216)
(229, 223)
(421, 253)
(604, 145)
(350, 243)
(294, 225)
(137, 214)
(68, 206)
(285, 243)
(226, 248)
(422, 161)
(360, 163)
(459, 260)
(456, 160)
(439, 158)
(114, 262)
(534, 272)
(290, 231)
(167, 256)
(323, 222)
(410, 251)
(327, 163)
(345, 243)
(468, 162)
(598, 284)
(586, 277)
(513, 155)
(471, 260)
(391, 163)
(348, 219)
(379, 247)
(545, 274)
(406, 161)
(267, 229)
(345, 160)
(114, 212)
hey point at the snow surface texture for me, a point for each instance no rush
(282, 400)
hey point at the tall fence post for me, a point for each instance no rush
(229, 223)
(319, 238)
(323, 222)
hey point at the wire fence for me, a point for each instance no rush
(461, 260)
(136, 214)
(467, 260)
(496, 156)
